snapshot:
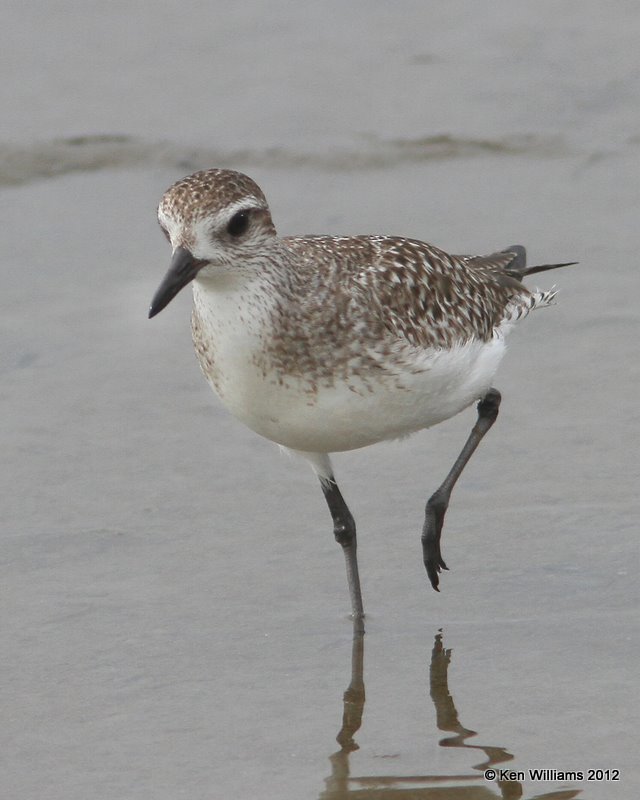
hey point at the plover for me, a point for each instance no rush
(331, 343)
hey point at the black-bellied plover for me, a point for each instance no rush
(325, 344)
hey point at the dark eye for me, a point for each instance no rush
(238, 223)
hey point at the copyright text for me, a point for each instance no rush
(597, 775)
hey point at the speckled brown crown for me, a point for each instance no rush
(199, 194)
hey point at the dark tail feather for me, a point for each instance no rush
(518, 267)
(544, 268)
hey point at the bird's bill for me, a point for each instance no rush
(184, 268)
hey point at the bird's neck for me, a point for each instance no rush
(272, 269)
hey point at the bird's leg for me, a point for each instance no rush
(344, 529)
(439, 500)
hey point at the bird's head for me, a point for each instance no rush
(215, 220)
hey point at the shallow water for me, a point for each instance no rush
(173, 603)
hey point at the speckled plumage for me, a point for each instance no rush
(205, 192)
(410, 290)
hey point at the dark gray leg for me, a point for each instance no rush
(439, 500)
(344, 529)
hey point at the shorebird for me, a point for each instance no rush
(331, 343)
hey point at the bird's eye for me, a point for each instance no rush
(238, 223)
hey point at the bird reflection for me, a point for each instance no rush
(341, 785)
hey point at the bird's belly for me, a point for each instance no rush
(353, 411)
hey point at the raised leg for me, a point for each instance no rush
(344, 529)
(439, 500)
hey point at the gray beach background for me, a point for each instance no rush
(173, 607)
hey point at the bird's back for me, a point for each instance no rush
(408, 289)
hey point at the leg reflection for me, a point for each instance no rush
(353, 707)
(353, 698)
(447, 716)
(341, 785)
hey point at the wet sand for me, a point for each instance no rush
(173, 603)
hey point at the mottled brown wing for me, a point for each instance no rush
(434, 299)
(408, 288)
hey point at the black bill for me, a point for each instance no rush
(184, 268)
